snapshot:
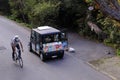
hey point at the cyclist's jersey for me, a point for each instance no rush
(15, 41)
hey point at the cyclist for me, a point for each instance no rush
(16, 43)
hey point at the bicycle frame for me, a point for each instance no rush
(19, 59)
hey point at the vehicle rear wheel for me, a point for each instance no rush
(42, 57)
(30, 47)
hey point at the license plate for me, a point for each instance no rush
(54, 56)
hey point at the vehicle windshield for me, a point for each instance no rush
(54, 37)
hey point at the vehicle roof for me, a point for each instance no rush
(46, 30)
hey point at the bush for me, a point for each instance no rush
(45, 13)
(118, 52)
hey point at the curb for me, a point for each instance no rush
(112, 77)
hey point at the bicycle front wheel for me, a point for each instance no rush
(21, 62)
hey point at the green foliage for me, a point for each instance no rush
(65, 13)
(29, 7)
(89, 1)
(4, 7)
(45, 13)
(118, 52)
(112, 29)
(18, 9)
(71, 12)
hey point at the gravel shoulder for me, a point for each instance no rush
(110, 66)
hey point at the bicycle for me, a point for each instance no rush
(18, 59)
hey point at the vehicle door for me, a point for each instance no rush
(64, 39)
(37, 43)
(33, 39)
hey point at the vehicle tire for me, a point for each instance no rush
(61, 55)
(30, 47)
(42, 57)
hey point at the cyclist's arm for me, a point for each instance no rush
(13, 46)
(21, 45)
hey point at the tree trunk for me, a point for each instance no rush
(110, 7)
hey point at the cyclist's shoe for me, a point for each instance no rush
(18, 58)
(13, 59)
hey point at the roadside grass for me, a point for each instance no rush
(97, 62)
(118, 52)
(110, 66)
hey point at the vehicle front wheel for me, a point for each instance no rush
(42, 57)
(30, 47)
(61, 55)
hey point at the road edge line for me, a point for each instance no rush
(112, 77)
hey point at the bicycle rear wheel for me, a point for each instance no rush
(20, 62)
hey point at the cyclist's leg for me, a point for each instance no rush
(13, 51)
(19, 51)
(19, 55)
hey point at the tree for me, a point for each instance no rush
(110, 7)
(45, 13)
(71, 13)
(28, 9)
(17, 9)
(4, 6)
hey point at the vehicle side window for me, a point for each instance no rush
(56, 37)
(63, 36)
(37, 38)
(33, 34)
(47, 39)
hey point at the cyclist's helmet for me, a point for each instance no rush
(16, 38)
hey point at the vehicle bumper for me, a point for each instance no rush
(54, 53)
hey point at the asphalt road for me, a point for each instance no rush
(88, 50)
(68, 68)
